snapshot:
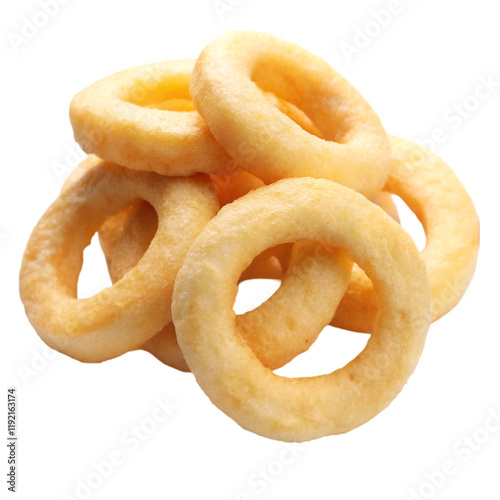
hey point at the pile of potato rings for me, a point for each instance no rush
(257, 160)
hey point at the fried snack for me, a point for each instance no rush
(436, 196)
(124, 316)
(262, 139)
(126, 236)
(302, 408)
(137, 118)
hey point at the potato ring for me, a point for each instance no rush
(437, 197)
(118, 118)
(265, 141)
(302, 408)
(125, 237)
(123, 316)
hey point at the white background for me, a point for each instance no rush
(429, 58)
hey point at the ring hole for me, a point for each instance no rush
(320, 115)
(133, 237)
(122, 239)
(254, 292)
(261, 279)
(174, 104)
(411, 223)
(94, 275)
(156, 91)
(293, 112)
(333, 349)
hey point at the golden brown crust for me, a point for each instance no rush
(125, 315)
(129, 118)
(226, 367)
(262, 139)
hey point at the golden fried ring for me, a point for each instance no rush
(126, 236)
(436, 196)
(262, 139)
(123, 316)
(299, 409)
(136, 118)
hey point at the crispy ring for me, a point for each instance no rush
(302, 408)
(278, 330)
(125, 237)
(262, 139)
(130, 118)
(434, 193)
(124, 316)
